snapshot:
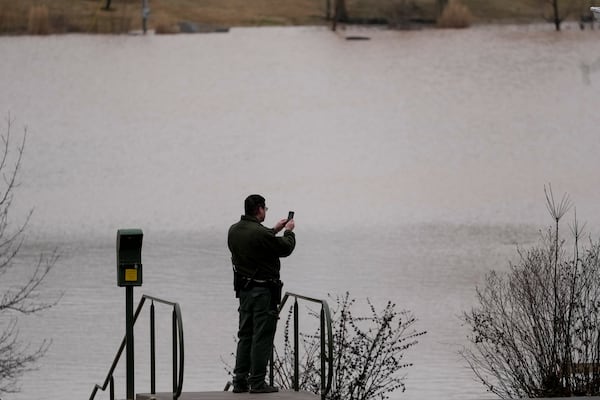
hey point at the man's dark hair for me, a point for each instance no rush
(252, 203)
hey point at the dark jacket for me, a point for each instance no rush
(255, 249)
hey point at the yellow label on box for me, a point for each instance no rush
(130, 275)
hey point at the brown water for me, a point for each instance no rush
(414, 161)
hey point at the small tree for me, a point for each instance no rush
(340, 13)
(368, 353)
(535, 331)
(455, 15)
(18, 296)
(556, 17)
(556, 11)
(441, 5)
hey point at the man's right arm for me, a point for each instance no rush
(287, 243)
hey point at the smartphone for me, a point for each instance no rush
(290, 216)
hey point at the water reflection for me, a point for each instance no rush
(414, 161)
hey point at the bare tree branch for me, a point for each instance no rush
(25, 296)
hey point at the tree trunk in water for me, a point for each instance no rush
(556, 16)
(441, 6)
(340, 13)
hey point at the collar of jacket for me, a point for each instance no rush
(249, 218)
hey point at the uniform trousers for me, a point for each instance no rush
(257, 324)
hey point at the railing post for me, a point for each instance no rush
(296, 347)
(271, 372)
(326, 347)
(174, 351)
(152, 351)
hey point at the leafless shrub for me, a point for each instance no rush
(556, 11)
(368, 353)
(535, 330)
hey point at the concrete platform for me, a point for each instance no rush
(283, 395)
(222, 395)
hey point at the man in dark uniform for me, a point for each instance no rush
(255, 252)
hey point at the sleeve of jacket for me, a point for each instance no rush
(283, 246)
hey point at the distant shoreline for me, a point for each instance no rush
(168, 16)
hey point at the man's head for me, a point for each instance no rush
(254, 206)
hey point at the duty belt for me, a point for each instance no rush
(259, 282)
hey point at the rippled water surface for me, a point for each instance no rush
(415, 162)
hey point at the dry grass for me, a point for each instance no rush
(166, 29)
(62, 16)
(489, 10)
(239, 12)
(90, 16)
(455, 15)
(38, 22)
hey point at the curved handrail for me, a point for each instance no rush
(326, 313)
(179, 321)
(177, 311)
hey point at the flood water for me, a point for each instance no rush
(415, 162)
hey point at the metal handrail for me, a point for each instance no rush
(177, 340)
(326, 341)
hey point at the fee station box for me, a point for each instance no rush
(129, 257)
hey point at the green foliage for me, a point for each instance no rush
(368, 352)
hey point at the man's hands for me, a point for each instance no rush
(284, 223)
(290, 225)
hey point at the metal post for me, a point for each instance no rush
(296, 348)
(145, 13)
(129, 341)
(335, 15)
(112, 388)
(271, 370)
(152, 351)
